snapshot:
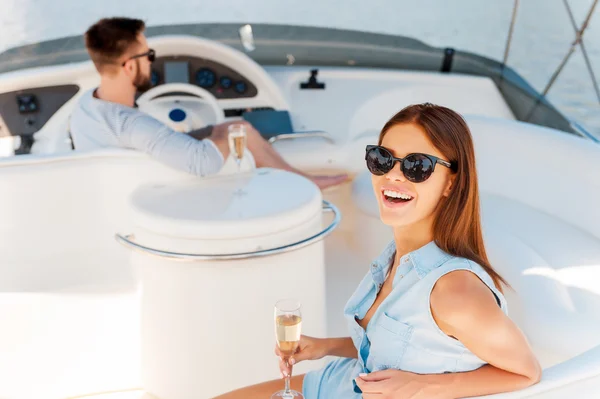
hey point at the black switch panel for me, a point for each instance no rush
(26, 111)
(27, 103)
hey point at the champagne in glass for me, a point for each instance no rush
(237, 147)
(237, 142)
(288, 328)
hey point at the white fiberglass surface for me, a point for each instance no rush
(74, 336)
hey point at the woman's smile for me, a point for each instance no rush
(396, 197)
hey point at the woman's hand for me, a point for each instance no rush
(309, 348)
(394, 384)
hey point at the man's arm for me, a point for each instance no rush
(216, 134)
(144, 133)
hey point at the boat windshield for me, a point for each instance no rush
(543, 32)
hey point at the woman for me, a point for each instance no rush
(430, 311)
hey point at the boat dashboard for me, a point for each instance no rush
(24, 112)
(220, 80)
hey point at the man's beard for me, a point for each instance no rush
(142, 83)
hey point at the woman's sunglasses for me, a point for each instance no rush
(151, 54)
(416, 167)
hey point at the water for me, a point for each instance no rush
(542, 36)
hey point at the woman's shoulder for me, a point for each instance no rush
(461, 302)
(462, 282)
(468, 268)
(462, 294)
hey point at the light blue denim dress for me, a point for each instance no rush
(402, 333)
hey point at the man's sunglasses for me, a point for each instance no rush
(151, 54)
(416, 167)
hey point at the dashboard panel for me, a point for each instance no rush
(24, 112)
(220, 80)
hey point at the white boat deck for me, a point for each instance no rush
(69, 303)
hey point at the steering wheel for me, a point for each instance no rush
(183, 107)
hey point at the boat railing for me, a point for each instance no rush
(128, 241)
(300, 135)
(577, 42)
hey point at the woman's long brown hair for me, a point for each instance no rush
(457, 223)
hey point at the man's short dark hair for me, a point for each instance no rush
(108, 39)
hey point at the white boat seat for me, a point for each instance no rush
(574, 378)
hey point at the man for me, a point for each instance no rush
(106, 117)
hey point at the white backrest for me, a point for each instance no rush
(60, 213)
(554, 172)
(541, 219)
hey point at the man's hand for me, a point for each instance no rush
(396, 384)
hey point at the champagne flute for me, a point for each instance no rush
(237, 147)
(288, 328)
(237, 142)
